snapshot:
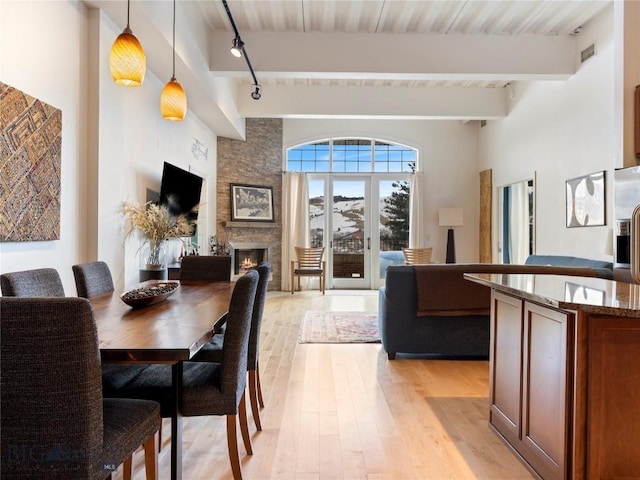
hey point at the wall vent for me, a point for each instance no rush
(587, 53)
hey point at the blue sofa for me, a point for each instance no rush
(603, 269)
(431, 309)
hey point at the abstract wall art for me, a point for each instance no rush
(30, 161)
(586, 200)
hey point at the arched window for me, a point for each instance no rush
(351, 155)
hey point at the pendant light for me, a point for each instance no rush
(173, 101)
(127, 61)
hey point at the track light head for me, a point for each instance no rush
(236, 49)
(256, 94)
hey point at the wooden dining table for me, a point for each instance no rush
(169, 332)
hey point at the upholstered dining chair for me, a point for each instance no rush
(208, 388)
(206, 267)
(212, 351)
(55, 422)
(92, 279)
(41, 282)
(413, 256)
(309, 263)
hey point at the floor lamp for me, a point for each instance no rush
(450, 217)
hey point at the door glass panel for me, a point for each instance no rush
(348, 229)
(393, 223)
(316, 212)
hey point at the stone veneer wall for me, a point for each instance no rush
(256, 161)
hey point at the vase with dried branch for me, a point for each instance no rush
(156, 225)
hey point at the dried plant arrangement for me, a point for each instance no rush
(156, 224)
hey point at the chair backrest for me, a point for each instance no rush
(41, 282)
(236, 337)
(309, 258)
(264, 270)
(414, 256)
(92, 278)
(51, 401)
(209, 268)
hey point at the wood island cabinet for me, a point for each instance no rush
(565, 377)
(529, 377)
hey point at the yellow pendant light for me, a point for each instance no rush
(173, 100)
(127, 60)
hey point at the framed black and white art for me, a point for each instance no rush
(586, 204)
(251, 203)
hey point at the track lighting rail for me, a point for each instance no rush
(239, 44)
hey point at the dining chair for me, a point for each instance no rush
(41, 282)
(413, 256)
(212, 351)
(55, 422)
(309, 263)
(206, 267)
(209, 388)
(92, 279)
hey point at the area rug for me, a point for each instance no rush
(339, 327)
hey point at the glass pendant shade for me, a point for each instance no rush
(173, 101)
(127, 60)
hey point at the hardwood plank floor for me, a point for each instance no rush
(346, 412)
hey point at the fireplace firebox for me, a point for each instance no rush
(246, 259)
(247, 255)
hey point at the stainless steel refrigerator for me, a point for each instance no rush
(627, 197)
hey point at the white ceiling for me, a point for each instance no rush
(358, 58)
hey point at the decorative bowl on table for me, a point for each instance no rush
(152, 291)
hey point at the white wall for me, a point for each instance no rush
(43, 54)
(557, 131)
(114, 140)
(447, 153)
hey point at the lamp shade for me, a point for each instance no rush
(173, 101)
(450, 217)
(127, 60)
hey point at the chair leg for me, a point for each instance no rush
(253, 396)
(126, 467)
(244, 425)
(259, 386)
(232, 442)
(151, 457)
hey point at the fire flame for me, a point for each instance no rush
(247, 263)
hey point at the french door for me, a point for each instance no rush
(358, 246)
(350, 227)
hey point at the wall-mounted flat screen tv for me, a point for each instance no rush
(180, 192)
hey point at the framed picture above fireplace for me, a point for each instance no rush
(251, 203)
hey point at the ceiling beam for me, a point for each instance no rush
(451, 103)
(397, 56)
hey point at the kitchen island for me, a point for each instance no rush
(565, 373)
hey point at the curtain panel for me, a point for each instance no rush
(295, 220)
(417, 209)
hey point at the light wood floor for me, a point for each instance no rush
(346, 412)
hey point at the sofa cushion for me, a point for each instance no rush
(604, 269)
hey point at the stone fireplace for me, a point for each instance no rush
(257, 160)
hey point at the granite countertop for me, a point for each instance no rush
(589, 294)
